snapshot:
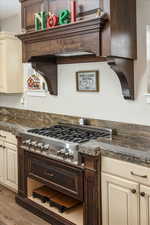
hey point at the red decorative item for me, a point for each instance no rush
(73, 11)
(52, 21)
(33, 82)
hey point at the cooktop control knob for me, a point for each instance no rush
(71, 155)
(24, 142)
(68, 152)
(46, 147)
(28, 142)
(40, 145)
(59, 153)
(66, 155)
(62, 151)
(34, 143)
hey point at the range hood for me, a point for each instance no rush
(80, 38)
(110, 37)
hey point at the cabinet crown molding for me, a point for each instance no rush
(7, 35)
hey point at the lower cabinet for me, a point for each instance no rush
(120, 201)
(10, 168)
(8, 161)
(125, 193)
(1, 164)
(144, 205)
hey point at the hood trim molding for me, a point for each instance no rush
(64, 39)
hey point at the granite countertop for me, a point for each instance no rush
(16, 126)
(131, 149)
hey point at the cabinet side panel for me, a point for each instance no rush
(123, 28)
(14, 67)
(106, 34)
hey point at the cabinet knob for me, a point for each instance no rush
(2, 146)
(142, 194)
(2, 136)
(133, 191)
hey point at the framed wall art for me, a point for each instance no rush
(87, 81)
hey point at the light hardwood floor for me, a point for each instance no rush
(13, 214)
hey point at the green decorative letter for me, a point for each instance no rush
(64, 17)
(40, 21)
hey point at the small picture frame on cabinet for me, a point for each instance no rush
(35, 85)
(87, 81)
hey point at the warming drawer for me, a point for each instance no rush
(57, 175)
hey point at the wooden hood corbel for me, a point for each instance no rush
(46, 66)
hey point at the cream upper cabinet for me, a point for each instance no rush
(145, 205)
(11, 75)
(120, 201)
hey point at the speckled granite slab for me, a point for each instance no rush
(14, 128)
(120, 147)
(41, 119)
(131, 149)
(132, 143)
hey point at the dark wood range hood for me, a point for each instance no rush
(110, 38)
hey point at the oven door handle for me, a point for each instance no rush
(49, 174)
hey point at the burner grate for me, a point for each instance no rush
(71, 133)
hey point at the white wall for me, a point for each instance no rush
(109, 103)
(12, 24)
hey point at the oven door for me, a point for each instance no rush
(58, 175)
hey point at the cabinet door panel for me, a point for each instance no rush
(1, 163)
(11, 79)
(145, 205)
(9, 137)
(11, 168)
(119, 205)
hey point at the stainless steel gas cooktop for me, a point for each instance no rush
(71, 133)
(61, 141)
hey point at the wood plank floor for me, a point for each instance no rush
(13, 214)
